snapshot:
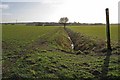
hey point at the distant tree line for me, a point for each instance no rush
(44, 24)
(53, 24)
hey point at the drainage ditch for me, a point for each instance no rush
(83, 44)
(72, 45)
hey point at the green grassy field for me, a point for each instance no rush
(22, 32)
(45, 52)
(97, 31)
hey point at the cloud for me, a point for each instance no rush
(4, 6)
(6, 14)
(51, 1)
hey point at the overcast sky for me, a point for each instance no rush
(84, 11)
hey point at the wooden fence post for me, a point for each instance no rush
(108, 29)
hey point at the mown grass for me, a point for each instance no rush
(45, 53)
(17, 37)
(23, 32)
(97, 31)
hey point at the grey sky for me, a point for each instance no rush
(51, 10)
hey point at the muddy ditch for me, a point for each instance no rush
(84, 44)
(67, 41)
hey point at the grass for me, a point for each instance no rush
(45, 52)
(97, 31)
(17, 37)
(24, 33)
(57, 65)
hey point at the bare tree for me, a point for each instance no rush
(63, 21)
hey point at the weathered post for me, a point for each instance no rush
(105, 67)
(108, 29)
(109, 50)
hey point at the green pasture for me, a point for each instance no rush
(96, 31)
(23, 32)
(31, 52)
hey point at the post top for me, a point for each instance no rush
(107, 9)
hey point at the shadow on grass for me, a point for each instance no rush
(105, 67)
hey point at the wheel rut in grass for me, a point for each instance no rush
(67, 41)
(50, 48)
(58, 40)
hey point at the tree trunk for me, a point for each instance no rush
(64, 25)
